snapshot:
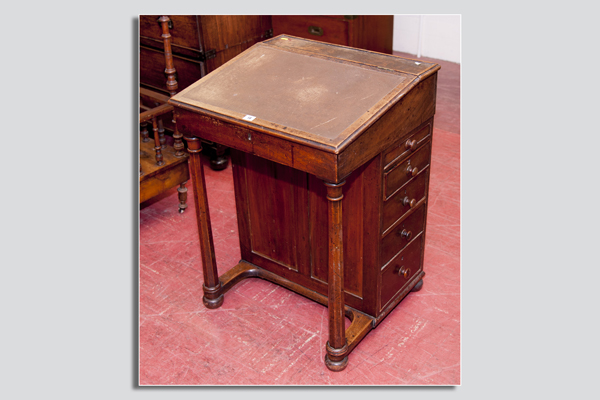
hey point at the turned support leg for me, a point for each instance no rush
(336, 358)
(182, 190)
(212, 286)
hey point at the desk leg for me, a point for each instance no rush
(212, 286)
(336, 358)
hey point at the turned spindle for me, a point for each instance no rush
(157, 146)
(177, 137)
(161, 134)
(170, 69)
(145, 135)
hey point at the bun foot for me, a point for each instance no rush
(182, 193)
(212, 304)
(336, 365)
(219, 163)
(418, 286)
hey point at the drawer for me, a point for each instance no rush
(184, 32)
(404, 199)
(400, 270)
(406, 146)
(152, 70)
(397, 239)
(315, 27)
(395, 178)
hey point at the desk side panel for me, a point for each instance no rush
(282, 220)
(276, 203)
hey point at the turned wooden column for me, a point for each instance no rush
(212, 286)
(336, 358)
(157, 146)
(177, 136)
(161, 134)
(145, 135)
(172, 84)
(170, 69)
(182, 192)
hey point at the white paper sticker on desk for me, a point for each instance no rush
(249, 117)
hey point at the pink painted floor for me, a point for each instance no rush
(266, 335)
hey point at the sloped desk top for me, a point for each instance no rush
(306, 93)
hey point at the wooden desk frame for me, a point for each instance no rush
(406, 109)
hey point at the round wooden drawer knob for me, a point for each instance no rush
(410, 144)
(412, 171)
(409, 202)
(405, 272)
(405, 234)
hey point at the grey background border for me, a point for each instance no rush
(529, 190)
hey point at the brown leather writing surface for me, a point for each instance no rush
(321, 97)
(314, 95)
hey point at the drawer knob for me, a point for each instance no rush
(409, 202)
(405, 234)
(412, 171)
(315, 30)
(410, 144)
(405, 272)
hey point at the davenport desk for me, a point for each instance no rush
(330, 149)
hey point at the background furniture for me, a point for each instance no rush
(162, 166)
(340, 140)
(202, 43)
(369, 32)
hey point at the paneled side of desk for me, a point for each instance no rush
(282, 219)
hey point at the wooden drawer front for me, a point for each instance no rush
(403, 172)
(406, 146)
(152, 70)
(400, 270)
(184, 31)
(315, 27)
(400, 203)
(402, 234)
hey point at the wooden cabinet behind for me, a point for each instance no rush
(200, 44)
(369, 32)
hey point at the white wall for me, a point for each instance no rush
(435, 36)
